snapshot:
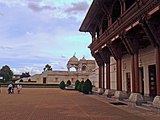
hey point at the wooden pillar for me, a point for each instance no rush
(100, 64)
(135, 73)
(103, 76)
(105, 55)
(107, 75)
(157, 50)
(136, 67)
(119, 75)
(100, 76)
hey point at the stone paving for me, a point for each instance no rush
(56, 104)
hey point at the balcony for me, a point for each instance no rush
(128, 18)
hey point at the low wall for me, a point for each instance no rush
(35, 85)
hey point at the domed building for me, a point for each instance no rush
(77, 70)
(73, 62)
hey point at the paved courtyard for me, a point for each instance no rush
(56, 104)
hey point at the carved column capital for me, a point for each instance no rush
(98, 58)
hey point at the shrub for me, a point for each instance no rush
(87, 87)
(76, 84)
(80, 86)
(62, 85)
(68, 82)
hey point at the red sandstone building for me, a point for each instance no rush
(127, 31)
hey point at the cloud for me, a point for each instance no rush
(38, 8)
(32, 70)
(30, 37)
(77, 7)
(63, 56)
(5, 48)
(55, 8)
(1, 14)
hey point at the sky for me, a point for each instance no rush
(34, 33)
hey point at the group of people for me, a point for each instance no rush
(11, 88)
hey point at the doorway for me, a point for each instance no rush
(44, 80)
(152, 80)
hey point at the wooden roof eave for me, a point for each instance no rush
(88, 19)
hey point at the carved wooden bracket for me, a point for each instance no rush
(115, 50)
(98, 58)
(153, 32)
(105, 54)
(148, 32)
(131, 46)
(129, 50)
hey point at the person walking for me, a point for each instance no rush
(13, 88)
(10, 88)
(18, 89)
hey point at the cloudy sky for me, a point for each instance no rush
(38, 32)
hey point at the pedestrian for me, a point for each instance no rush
(18, 89)
(10, 88)
(13, 88)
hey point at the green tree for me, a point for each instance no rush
(47, 68)
(25, 74)
(87, 87)
(76, 84)
(68, 82)
(80, 86)
(6, 73)
(62, 85)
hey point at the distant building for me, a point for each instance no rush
(16, 76)
(77, 70)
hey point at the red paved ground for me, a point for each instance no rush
(56, 104)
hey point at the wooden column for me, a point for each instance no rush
(103, 76)
(119, 75)
(136, 68)
(135, 73)
(132, 47)
(157, 50)
(105, 55)
(116, 52)
(100, 76)
(100, 64)
(107, 75)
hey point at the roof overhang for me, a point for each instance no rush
(88, 18)
(92, 16)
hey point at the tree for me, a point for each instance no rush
(87, 87)
(25, 74)
(62, 85)
(6, 73)
(76, 84)
(68, 82)
(80, 86)
(47, 68)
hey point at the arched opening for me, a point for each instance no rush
(73, 69)
(83, 68)
(104, 23)
(129, 3)
(116, 11)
